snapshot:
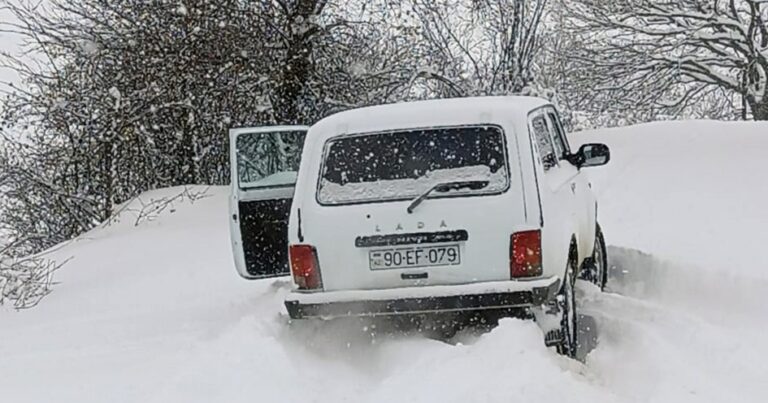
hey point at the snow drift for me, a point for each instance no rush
(155, 312)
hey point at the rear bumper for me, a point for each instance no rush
(422, 300)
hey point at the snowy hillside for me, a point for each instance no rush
(156, 313)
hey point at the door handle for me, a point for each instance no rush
(234, 217)
(573, 187)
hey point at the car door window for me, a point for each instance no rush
(268, 159)
(558, 135)
(543, 136)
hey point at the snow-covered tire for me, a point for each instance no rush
(567, 303)
(595, 268)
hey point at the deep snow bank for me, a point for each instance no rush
(695, 192)
(156, 313)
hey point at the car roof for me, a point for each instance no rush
(431, 113)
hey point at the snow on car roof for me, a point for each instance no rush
(431, 113)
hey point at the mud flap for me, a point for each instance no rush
(548, 317)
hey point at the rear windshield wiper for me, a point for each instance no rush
(444, 187)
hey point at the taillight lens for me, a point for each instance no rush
(525, 254)
(304, 267)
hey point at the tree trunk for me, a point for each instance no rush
(760, 110)
(297, 68)
(291, 85)
(107, 176)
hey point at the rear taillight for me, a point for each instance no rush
(525, 254)
(304, 266)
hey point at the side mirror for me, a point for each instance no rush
(591, 155)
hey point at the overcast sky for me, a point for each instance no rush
(8, 43)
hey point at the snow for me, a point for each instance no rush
(90, 48)
(698, 183)
(276, 179)
(157, 313)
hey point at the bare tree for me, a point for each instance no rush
(25, 281)
(480, 47)
(375, 53)
(122, 97)
(671, 56)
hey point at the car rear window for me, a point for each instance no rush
(404, 164)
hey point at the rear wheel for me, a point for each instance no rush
(596, 267)
(567, 303)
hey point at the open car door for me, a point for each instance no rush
(265, 163)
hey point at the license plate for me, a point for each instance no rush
(415, 256)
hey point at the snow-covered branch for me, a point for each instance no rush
(663, 47)
(25, 281)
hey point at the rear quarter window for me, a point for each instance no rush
(544, 144)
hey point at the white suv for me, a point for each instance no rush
(472, 204)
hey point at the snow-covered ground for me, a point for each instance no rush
(156, 312)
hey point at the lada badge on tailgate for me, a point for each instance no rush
(411, 239)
